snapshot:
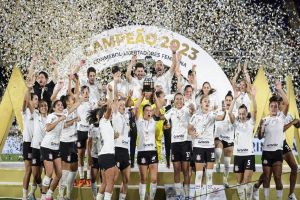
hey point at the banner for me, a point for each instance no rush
(118, 45)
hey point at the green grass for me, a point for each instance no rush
(11, 157)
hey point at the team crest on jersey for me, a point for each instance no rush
(143, 160)
(34, 161)
(29, 155)
(236, 168)
(265, 162)
(69, 158)
(198, 157)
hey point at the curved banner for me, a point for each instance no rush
(119, 44)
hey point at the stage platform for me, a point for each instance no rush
(11, 175)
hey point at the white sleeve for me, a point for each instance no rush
(50, 119)
(169, 114)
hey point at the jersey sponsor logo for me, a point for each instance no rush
(203, 142)
(54, 144)
(178, 136)
(272, 145)
(124, 142)
(148, 145)
(242, 150)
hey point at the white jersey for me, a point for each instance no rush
(164, 81)
(225, 129)
(289, 118)
(83, 111)
(94, 134)
(51, 139)
(107, 135)
(136, 86)
(69, 134)
(273, 132)
(180, 121)
(120, 124)
(121, 87)
(28, 123)
(39, 131)
(243, 141)
(204, 126)
(146, 131)
(188, 102)
(242, 99)
(94, 91)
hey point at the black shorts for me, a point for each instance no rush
(242, 163)
(82, 138)
(203, 155)
(181, 151)
(286, 148)
(217, 138)
(49, 154)
(36, 157)
(27, 151)
(147, 157)
(106, 161)
(122, 158)
(226, 144)
(95, 163)
(270, 157)
(68, 152)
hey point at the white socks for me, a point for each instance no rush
(62, 182)
(153, 187)
(99, 196)
(94, 189)
(249, 190)
(88, 172)
(198, 181)
(81, 172)
(178, 188)
(24, 193)
(241, 191)
(122, 196)
(186, 190)
(226, 166)
(218, 152)
(70, 180)
(279, 194)
(33, 189)
(142, 191)
(267, 193)
(107, 196)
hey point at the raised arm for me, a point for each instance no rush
(54, 63)
(179, 79)
(281, 92)
(235, 77)
(174, 59)
(129, 69)
(77, 67)
(115, 103)
(33, 62)
(231, 115)
(246, 74)
(129, 102)
(59, 85)
(107, 114)
(194, 83)
(261, 129)
(287, 126)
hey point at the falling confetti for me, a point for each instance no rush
(231, 31)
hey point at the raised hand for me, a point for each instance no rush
(278, 85)
(173, 48)
(52, 60)
(236, 94)
(81, 63)
(194, 67)
(133, 59)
